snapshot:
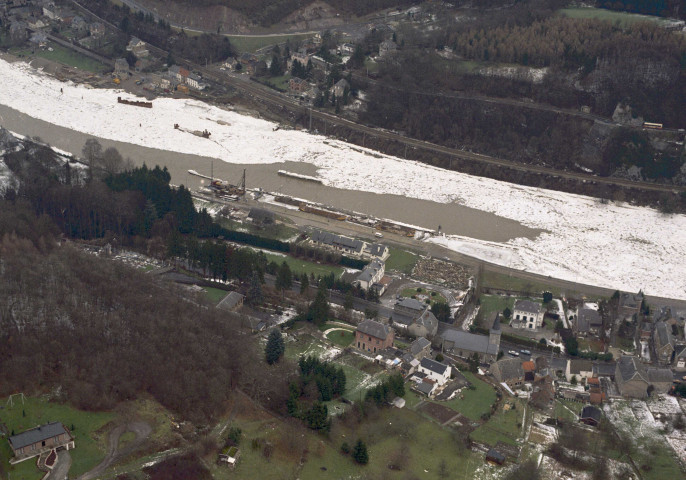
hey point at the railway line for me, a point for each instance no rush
(268, 95)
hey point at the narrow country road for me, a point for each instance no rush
(61, 468)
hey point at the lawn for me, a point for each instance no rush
(341, 338)
(504, 426)
(326, 326)
(433, 296)
(567, 410)
(280, 82)
(85, 427)
(623, 18)
(300, 266)
(63, 55)
(254, 43)
(590, 345)
(475, 402)
(215, 295)
(494, 303)
(400, 260)
(509, 282)
(277, 231)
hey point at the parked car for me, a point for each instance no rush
(513, 353)
(525, 352)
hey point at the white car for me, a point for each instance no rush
(513, 353)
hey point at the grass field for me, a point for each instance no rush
(341, 338)
(277, 231)
(400, 260)
(508, 282)
(494, 303)
(504, 426)
(215, 295)
(63, 55)
(601, 14)
(476, 402)
(84, 426)
(303, 266)
(280, 82)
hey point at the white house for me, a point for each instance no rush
(372, 273)
(527, 314)
(436, 371)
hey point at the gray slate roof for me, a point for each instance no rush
(434, 366)
(663, 334)
(590, 411)
(507, 369)
(527, 306)
(412, 303)
(374, 328)
(630, 367)
(469, 341)
(376, 249)
(660, 375)
(604, 369)
(587, 318)
(37, 434)
(230, 301)
(418, 345)
(330, 239)
(425, 387)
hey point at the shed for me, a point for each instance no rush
(494, 456)
(590, 415)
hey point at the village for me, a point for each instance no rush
(497, 372)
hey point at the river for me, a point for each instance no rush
(454, 219)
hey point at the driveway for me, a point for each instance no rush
(61, 468)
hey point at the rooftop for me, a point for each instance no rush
(527, 306)
(374, 328)
(37, 434)
(434, 366)
(469, 341)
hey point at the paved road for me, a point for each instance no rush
(62, 466)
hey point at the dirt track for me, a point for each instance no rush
(142, 431)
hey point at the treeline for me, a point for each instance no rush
(318, 382)
(566, 42)
(199, 49)
(100, 332)
(386, 391)
(662, 8)
(269, 12)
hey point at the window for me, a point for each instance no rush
(358, 344)
(517, 317)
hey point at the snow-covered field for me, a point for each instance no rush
(616, 246)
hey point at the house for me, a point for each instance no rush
(340, 87)
(436, 371)
(40, 39)
(301, 57)
(426, 386)
(246, 58)
(137, 47)
(256, 325)
(347, 49)
(375, 250)
(581, 369)
(635, 381)
(590, 415)
(338, 243)
(35, 23)
(121, 66)
(508, 371)
(602, 369)
(79, 25)
(588, 321)
(231, 302)
(414, 317)
(230, 63)
(529, 369)
(663, 343)
(465, 344)
(96, 29)
(494, 456)
(319, 63)
(420, 348)
(372, 273)
(527, 314)
(629, 304)
(372, 336)
(680, 358)
(299, 85)
(380, 287)
(178, 73)
(32, 443)
(193, 80)
(387, 47)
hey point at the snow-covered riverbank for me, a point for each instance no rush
(616, 246)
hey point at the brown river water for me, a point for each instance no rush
(454, 219)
